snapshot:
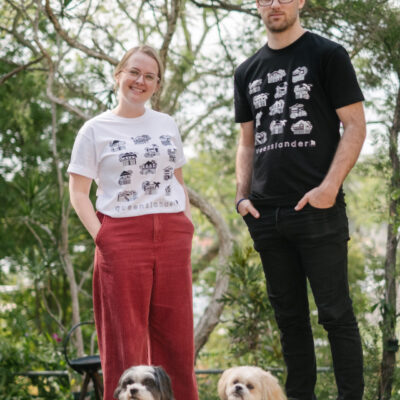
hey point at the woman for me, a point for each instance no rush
(142, 288)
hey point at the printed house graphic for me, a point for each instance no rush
(128, 159)
(151, 151)
(255, 86)
(168, 190)
(302, 127)
(297, 111)
(148, 167)
(150, 187)
(168, 173)
(260, 100)
(281, 90)
(302, 91)
(277, 126)
(261, 137)
(277, 107)
(141, 139)
(127, 195)
(172, 154)
(117, 145)
(165, 140)
(299, 74)
(258, 118)
(125, 177)
(276, 76)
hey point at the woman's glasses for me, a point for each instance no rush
(136, 74)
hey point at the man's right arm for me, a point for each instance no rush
(244, 169)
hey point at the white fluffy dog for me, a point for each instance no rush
(249, 383)
(144, 382)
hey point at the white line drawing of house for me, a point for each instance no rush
(165, 140)
(281, 90)
(302, 91)
(127, 195)
(125, 177)
(299, 74)
(128, 159)
(258, 118)
(277, 107)
(277, 126)
(117, 145)
(168, 173)
(276, 76)
(302, 127)
(148, 167)
(255, 86)
(141, 139)
(297, 111)
(150, 187)
(261, 138)
(151, 151)
(260, 100)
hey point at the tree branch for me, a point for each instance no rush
(19, 69)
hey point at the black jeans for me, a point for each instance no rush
(310, 244)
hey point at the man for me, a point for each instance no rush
(290, 98)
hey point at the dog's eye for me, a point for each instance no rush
(250, 386)
(235, 381)
(128, 382)
(148, 382)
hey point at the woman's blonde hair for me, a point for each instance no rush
(145, 49)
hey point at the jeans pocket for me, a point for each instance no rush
(103, 219)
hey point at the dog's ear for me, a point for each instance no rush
(271, 388)
(222, 385)
(117, 391)
(164, 384)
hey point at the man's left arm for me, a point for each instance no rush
(349, 148)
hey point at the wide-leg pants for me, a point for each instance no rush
(142, 295)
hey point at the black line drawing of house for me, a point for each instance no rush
(151, 151)
(168, 173)
(261, 138)
(125, 177)
(301, 127)
(281, 90)
(172, 154)
(148, 167)
(150, 187)
(302, 91)
(165, 140)
(277, 126)
(276, 76)
(260, 100)
(128, 158)
(168, 190)
(255, 86)
(127, 195)
(117, 145)
(258, 118)
(277, 107)
(297, 111)
(141, 139)
(299, 74)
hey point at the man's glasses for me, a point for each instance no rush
(267, 3)
(136, 74)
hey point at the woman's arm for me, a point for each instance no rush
(79, 189)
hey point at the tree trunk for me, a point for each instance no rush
(390, 343)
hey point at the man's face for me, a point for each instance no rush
(280, 17)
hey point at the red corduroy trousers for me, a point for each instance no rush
(142, 296)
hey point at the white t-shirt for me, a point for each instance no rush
(132, 161)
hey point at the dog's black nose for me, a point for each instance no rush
(238, 388)
(134, 391)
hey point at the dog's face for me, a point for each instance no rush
(249, 383)
(144, 382)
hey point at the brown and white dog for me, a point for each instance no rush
(249, 383)
(144, 382)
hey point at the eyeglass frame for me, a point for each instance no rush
(154, 77)
(272, 1)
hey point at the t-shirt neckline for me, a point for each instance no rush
(289, 47)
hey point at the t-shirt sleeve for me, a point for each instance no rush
(242, 107)
(341, 82)
(83, 157)
(180, 157)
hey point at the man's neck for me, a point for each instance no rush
(280, 40)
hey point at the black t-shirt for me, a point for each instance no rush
(292, 94)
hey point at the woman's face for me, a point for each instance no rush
(138, 80)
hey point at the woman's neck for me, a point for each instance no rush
(129, 112)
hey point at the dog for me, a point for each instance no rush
(144, 382)
(249, 383)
